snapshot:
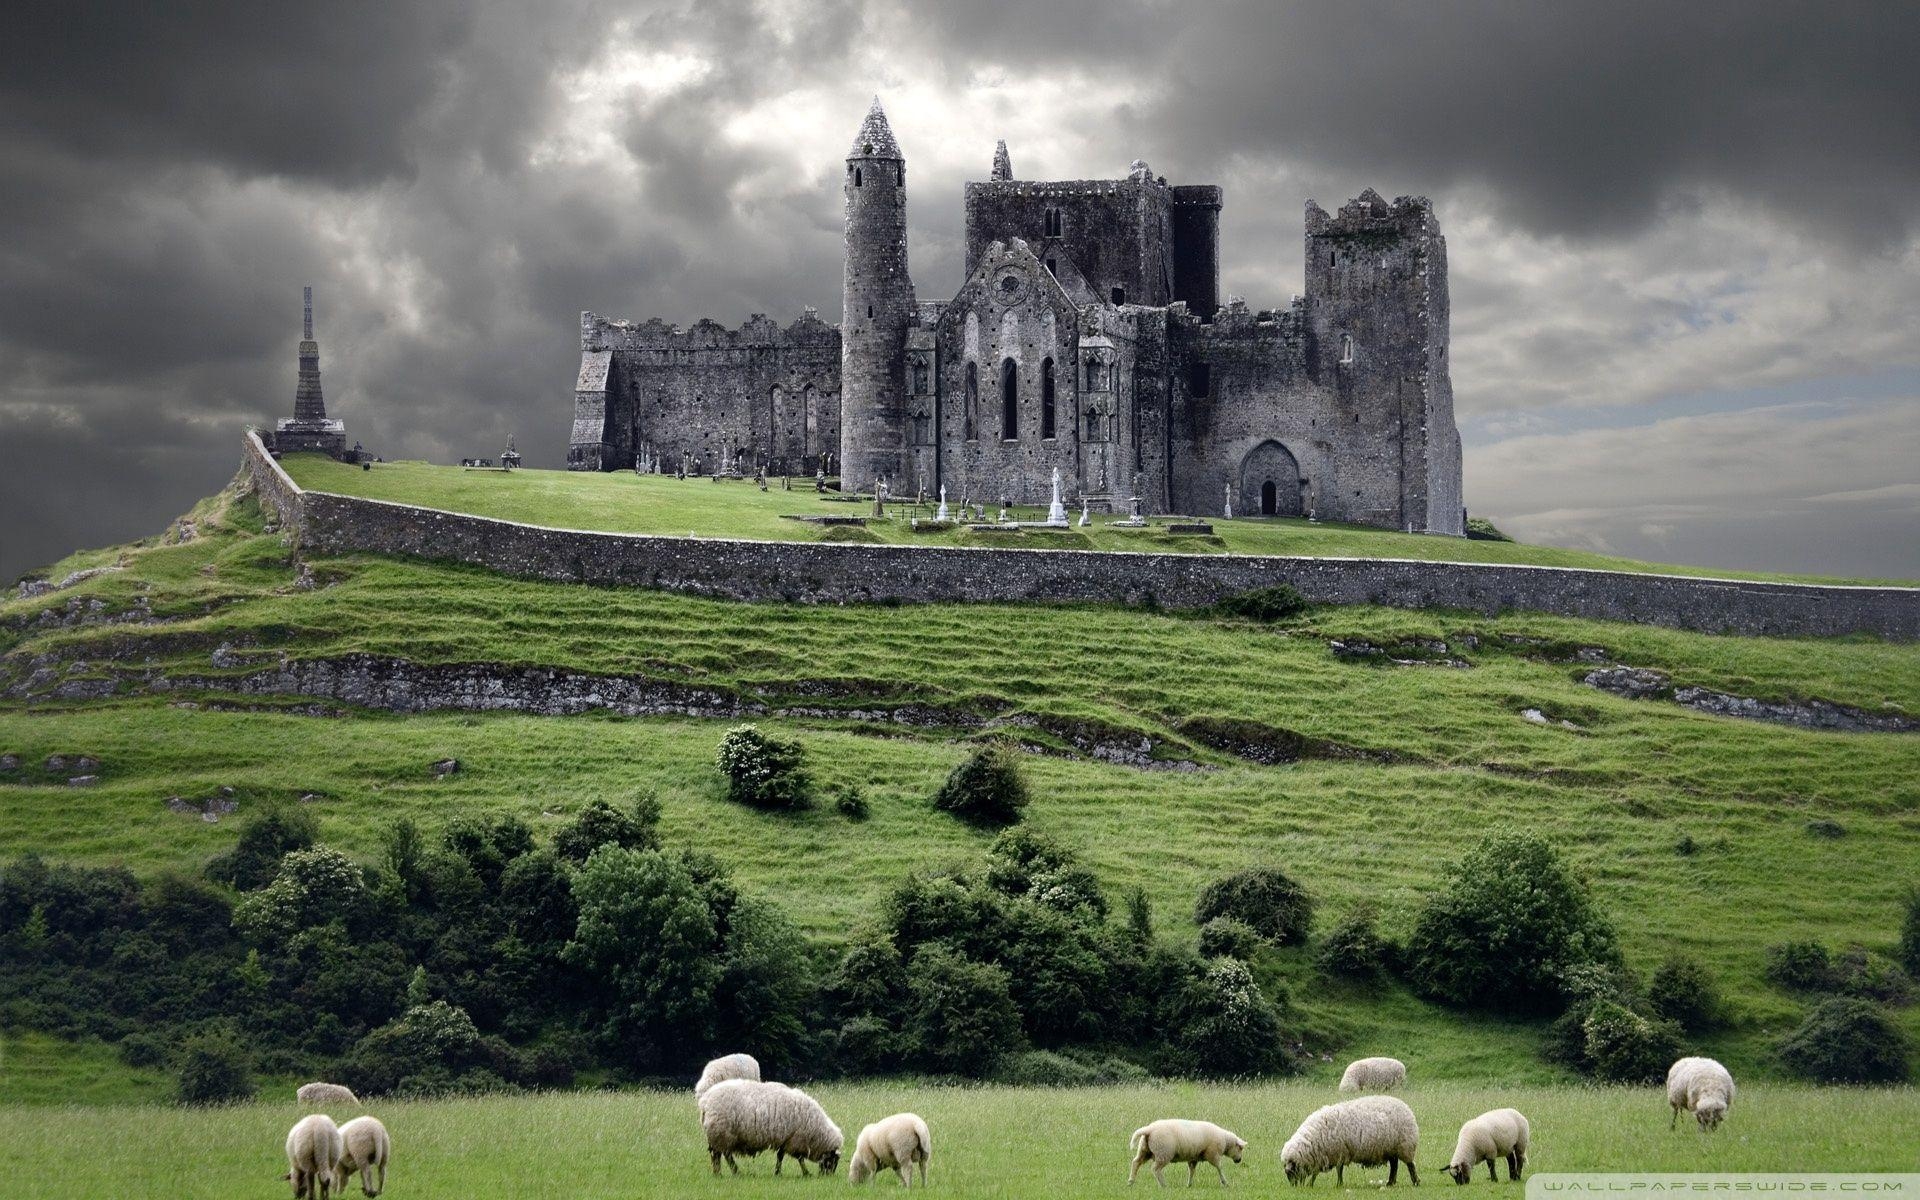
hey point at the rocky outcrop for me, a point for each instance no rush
(1645, 683)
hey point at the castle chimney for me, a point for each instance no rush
(1002, 164)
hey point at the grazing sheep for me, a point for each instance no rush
(314, 1095)
(313, 1153)
(733, 1066)
(1373, 1075)
(1368, 1131)
(365, 1147)
(899, 1141)
(1189, 1142)
(745, 1116)
(1489, 1137)
(1701, 1086)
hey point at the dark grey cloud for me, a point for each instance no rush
(459, 180)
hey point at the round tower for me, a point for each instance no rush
(879, 309)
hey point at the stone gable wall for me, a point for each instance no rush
(828, 572)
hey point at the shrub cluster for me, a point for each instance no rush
(986, 788)
(1808, 966)
(1683, 992)
(1608, 1032)
(1264, 899)
(1847, 1040)
(1511, 924)
(970, 971)
(763, 771)
(1355, 949)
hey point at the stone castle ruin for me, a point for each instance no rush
(1088, 338)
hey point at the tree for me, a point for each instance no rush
(599, 824)
(1683, 992)
(763, 771)
(265, 838)
(961, 1013)
(1508, 927)
(1222, 1024)
(646, 935)
(313, 887)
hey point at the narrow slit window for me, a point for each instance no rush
(1199, 380)
(1046, 398)
(973, 396)
(1009, 400)
(856, 177)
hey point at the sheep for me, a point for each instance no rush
(1189, 1142)
(1702, 1087)
(365, 1147)
(733, 1066)
(899, 1141)
(746, 1116)
(1368, 1131)
(1373, 1075)
(1502, 1133)
(313, 1153)
(313, 1095)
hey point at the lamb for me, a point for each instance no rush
(1373, 1075)
(746, 1116)
(1189, 1142)
(1701, 1086)
(899, 1141)
(1502, 1133)
(733, 1066)
(314, 1095)
(313, 1154)
(365, 1147)
(1368, 1131)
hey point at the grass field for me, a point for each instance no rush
(1447, 756)
(989, 1142)
(623, 502)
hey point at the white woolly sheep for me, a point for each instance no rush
(733, 1066)
(1367, 1132)
(1489, 1137)
(1701, 1086)
(745, 1116)
(899, 1142)
(316, 1095)
(364, 1147)
(313, 1153)
(1373, 1075)
(1189, 1142)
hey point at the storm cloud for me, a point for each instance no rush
(1685, 240)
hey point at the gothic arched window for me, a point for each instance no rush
(973, 396)
(1046, 398)
(1009, 400)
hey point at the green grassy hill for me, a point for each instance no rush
(1704, 834)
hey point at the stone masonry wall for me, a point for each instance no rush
(827, 572)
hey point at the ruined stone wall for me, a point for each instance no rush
(828, 572)
(759, 395)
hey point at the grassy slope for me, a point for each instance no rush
(627, 503)
(1000, 1142)
(1616, 798)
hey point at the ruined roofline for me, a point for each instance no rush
(1072, 187)
(604, 333)
(1370, 212)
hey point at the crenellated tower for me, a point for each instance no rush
(879, 308)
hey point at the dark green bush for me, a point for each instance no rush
(1910, 933)
(142, 1050)
(1276, 907)
(1622, 1046)
(1226, 936)
(1222, 1025)
(1268, 604)
(1803, 966)
(1354, 947)
(1509, 925)
(429, 1049)
(599, 824)
(1025, 864)
(271, 833)
(1052, 1068)
(213, 1068)
(961, 1015)
(763, 771)
(1860, 972)
(1683, 992)
(850, 802)
(986, 789)
(1846, 1040)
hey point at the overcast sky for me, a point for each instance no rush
(1684, 237)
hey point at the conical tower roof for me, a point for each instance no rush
(875, 139)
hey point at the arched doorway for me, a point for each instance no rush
(1270, 482)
